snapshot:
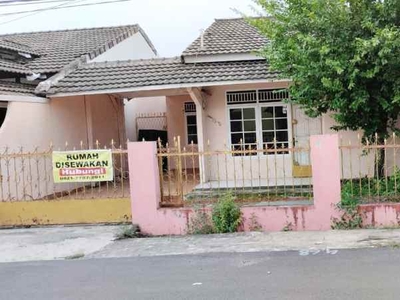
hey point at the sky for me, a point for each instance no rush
(171, 24)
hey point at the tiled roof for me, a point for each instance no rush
(155, 72)
(9, 45)
(12, 88)
(13, 67)
(58, 48)
(227, 36)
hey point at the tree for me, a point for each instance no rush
(343, 56)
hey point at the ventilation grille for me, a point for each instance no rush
(273, 95)
(190, 107)
(260, 96)
(241, 97)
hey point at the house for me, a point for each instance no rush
(29, 61)
(221, 96)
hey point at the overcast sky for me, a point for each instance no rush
(170, 24)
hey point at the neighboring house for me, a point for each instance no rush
(219, 94)
(31, 61)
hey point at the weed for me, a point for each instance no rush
(75, 256)
(226, 215)
(359, 190)
(254, 225)
(351, 218)
(129, 232)
(200, 222)
(288, 227)
(394, 245)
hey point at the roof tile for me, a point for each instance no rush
(13, 88)
(59, 48)
(141, 73)
(14, 67)
(228, 36)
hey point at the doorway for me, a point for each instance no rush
(303, 128)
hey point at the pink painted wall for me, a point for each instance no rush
(145, 194)
(379, 215)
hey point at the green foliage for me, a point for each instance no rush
(342, 56)
(129, 232)
(357, 191)
(201, 223)
(288, 227)
(226, 214)
(254, 225)
(350, 219)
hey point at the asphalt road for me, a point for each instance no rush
(347, 274)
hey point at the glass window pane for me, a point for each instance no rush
(249, 125)
(249, 113)
(192, 129)
(281, 136)
(280, 111)
(268, 124)
(268, 137)
(267, 112)
(235, 113)
(250, 138)
(236, 137)
(281, 124)
(236, 126)
(191, 120)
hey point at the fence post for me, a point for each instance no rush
(144, 179)
(325, 160)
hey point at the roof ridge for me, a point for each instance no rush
(116, 62)
(235, 19)
(68, 30)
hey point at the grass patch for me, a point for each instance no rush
(75, 256)
(370, 190)
(129, 232)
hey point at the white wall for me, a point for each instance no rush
(32, 127)
(137, 106)
(134, 47)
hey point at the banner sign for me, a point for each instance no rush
(82, 166)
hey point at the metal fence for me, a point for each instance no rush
(27, 175)
(370, 170)
(189, 176)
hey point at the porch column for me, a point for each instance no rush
(89, 122)
(197, 98)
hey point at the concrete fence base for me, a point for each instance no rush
(145, 194)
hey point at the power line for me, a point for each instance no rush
(60, 7)
(35, 13)
(27, 2)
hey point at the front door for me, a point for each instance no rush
(303, 128)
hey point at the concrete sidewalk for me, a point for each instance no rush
(50, 243)
(55, 242)
(306, 242)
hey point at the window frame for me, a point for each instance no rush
(4, 105)
(186, 114)
(259, 130)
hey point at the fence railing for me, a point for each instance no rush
(28, 175)
(370, 170)
(253, 175)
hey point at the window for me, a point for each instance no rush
(191, 122)
(275, 132)
(258, 120)
(243, 128)
(3, 112)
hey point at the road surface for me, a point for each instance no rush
(344, 274)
